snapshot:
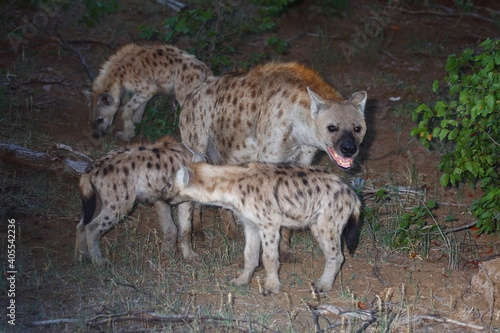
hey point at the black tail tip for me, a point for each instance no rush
(352, 232)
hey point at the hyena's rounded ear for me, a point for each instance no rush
(87, 93)
(199, 158)
(184, 175)
(359, 99)
(105, 99)
(317, 103)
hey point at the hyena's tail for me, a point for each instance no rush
(89, 198)
(353, 227)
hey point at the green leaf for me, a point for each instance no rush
(468, 166)
(489, 66)
(443, 133)
(444, 180)
(435, 85)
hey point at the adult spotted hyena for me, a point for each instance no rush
(277, 112)
(144, 71)
(113, 183)
(267, 197)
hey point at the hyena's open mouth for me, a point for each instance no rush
(343, 162)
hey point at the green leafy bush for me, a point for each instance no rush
(471, 123)
(158, 121)
(97, 9)
(214, 29)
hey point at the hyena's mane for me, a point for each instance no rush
(301, 76)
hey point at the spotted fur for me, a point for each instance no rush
(267, 197)
(276, 112)
(144, 71)
(113, 183)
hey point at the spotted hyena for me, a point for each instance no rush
(267, 197)
(113, 183)
(144, 71)
(276, 112)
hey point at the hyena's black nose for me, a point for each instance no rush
(348, 148)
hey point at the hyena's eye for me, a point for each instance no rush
(357, 129)
(332, 128)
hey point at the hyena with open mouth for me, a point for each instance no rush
(277, 113)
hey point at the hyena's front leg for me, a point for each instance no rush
(132, 113)
(330, 243)
(168, 227)
(252, 251)
(185, 217)
(270, 238)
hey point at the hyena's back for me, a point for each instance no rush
(164, 66)
(240, 111)
(102, 180)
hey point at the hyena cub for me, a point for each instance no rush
(144, 71)
(267, 197)
(113, 183)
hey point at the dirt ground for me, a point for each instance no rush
(407, 289)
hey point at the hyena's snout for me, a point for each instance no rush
(349, 147)
(100, 126)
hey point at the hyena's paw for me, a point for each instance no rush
(169, 248)
(320, 286)
(100, 261)
(239, 281)
(270, 288)
(81, 256)
(192, 256)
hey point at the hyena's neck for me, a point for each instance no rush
(303, 130)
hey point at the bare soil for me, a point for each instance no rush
(42, 104)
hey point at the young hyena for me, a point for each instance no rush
(144, 71)
(276, 112)
(267, 197)
(113, 183)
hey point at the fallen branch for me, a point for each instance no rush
(431, 12)
(55, 321)
(52, 161)
(152, 317)
(444, 321)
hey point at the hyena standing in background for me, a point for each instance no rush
(267, 197)
(144, 71)
(278, 113)
(113, 183)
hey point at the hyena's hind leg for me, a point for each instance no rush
(81, 248)
(185, 217)
(168, 227)
(330, 242)
(106, 219)
(132, 113)
(252, 252)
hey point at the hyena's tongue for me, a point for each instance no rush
(343, 162)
